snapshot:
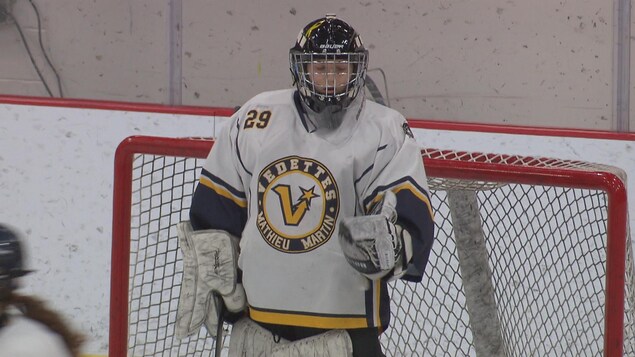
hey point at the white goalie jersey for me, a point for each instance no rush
(283, 188)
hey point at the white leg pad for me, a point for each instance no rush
(334, 343)
(248, 339)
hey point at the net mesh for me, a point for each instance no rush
(546, 251)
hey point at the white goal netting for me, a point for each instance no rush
(521, 265)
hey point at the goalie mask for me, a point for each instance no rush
(11, 260)
(328, 64)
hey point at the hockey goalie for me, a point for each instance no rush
(309, 203)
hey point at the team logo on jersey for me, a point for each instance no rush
(298, 203)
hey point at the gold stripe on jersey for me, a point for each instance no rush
(325, 322)
(408, 186)
(404, 186)
(223, 192)
(376, 286)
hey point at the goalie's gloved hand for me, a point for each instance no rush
(209, 278)
(373, 244)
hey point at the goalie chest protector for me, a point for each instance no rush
(296, 185)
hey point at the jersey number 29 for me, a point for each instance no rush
(257, 119)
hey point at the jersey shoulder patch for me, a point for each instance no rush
(407, 130)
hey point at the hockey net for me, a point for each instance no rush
(532, 257)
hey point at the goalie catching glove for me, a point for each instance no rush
(210, 259)
(374, 244)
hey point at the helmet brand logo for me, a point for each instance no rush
(331, 46)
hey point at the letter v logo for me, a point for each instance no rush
(293, 213)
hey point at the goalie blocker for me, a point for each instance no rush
(375, 245)
(210, 274)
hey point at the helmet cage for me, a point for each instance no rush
(341, 77)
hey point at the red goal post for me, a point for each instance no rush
(515, 198)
